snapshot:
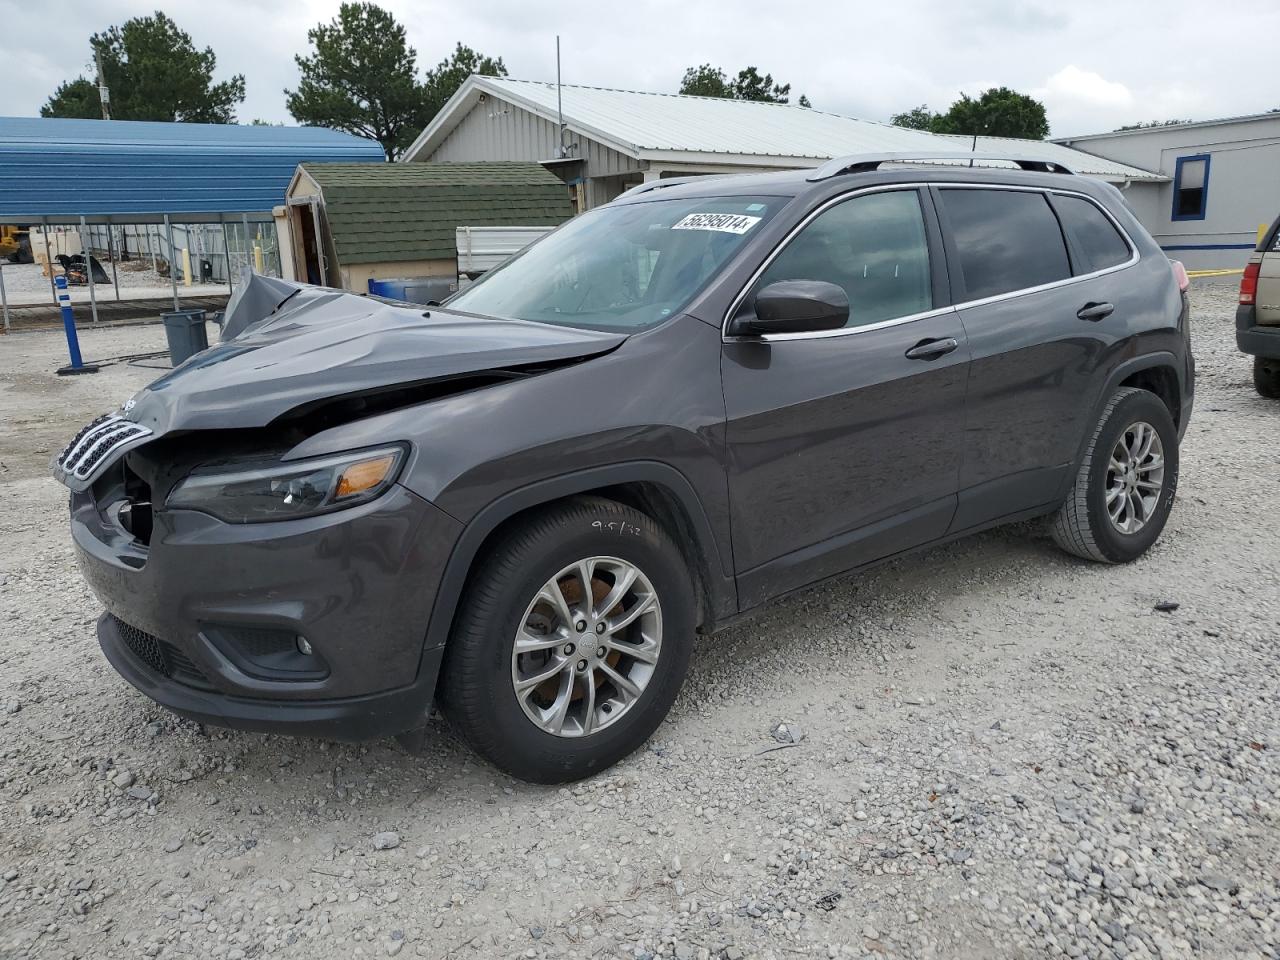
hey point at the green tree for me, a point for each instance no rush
(749, 84)
(443, 82)
(153, 72)
(74, 98)
(998, 112)
(917, 118)
(706, 81)
(361, 78)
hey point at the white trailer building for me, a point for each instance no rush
(1220, 184)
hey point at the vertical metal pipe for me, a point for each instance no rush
(111, 252)
(248, 257)
(88, 271)
(4, 300)
(559, 105)
(173, 267)
(48, 259)
(151, 246)
(226, 249)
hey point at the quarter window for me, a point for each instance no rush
(1096, 239)
(1191, 187)
(874, 246)
(1007, 240)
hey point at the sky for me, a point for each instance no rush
(1095, 64)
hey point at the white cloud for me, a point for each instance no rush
(1073, 85)
(1096, 64)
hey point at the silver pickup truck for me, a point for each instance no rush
(1258, 316)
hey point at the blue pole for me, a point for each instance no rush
(77, 364)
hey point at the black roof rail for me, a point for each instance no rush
(864, 162)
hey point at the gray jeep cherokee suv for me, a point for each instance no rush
(523, 505)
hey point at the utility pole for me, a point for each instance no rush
(562, 152)
(103, 93)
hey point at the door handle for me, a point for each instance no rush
(932, 349)
(1094, 312)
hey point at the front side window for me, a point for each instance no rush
(623, 267)
(1096, 238)
(1007, 240)
(1191, 187)
(874, 246)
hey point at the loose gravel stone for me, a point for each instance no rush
(386, 841)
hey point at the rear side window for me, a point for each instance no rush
(1007, 240)
(1096, 238)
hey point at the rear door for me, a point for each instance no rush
(842, 448)
(1036, 336)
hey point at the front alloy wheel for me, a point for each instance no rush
(587, 647)
(571, 640)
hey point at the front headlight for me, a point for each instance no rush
(284, 491)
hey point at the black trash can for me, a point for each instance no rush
(184, 329)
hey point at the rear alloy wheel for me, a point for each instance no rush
(1125, 484)
(571, 641)
(1135, 477)
(1266, 377)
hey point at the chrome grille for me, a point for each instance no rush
(92, 448)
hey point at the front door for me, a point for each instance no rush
(844, 446)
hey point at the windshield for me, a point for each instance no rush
(620, 267)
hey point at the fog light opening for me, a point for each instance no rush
(304, 647)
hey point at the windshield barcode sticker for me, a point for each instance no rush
(723, 222)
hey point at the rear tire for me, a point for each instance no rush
(1266, 377)
(1126, 483)
(593, 695)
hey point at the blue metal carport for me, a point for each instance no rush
(89, 172)
(115, 171)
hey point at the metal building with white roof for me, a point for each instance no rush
(604, 141)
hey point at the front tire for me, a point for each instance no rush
(1266, 377)
(571, 641)
(1125, 484)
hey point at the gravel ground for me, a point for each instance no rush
(1002, 751)
(25, 283)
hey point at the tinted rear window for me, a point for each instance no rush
(1008, 240)
(1094, 235)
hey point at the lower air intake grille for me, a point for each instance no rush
(144, 646)
(163, 658)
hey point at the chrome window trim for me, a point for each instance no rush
(1134, 257)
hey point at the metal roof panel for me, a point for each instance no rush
(60, 169)
(674, 127)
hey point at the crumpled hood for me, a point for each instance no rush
(320, 344)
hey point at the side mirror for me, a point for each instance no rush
(795, 306)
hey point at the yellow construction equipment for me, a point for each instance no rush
(15, 243)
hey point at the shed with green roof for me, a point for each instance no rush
(378, 221)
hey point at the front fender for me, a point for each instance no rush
(722, 595)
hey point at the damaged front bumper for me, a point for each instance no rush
(312, 626)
